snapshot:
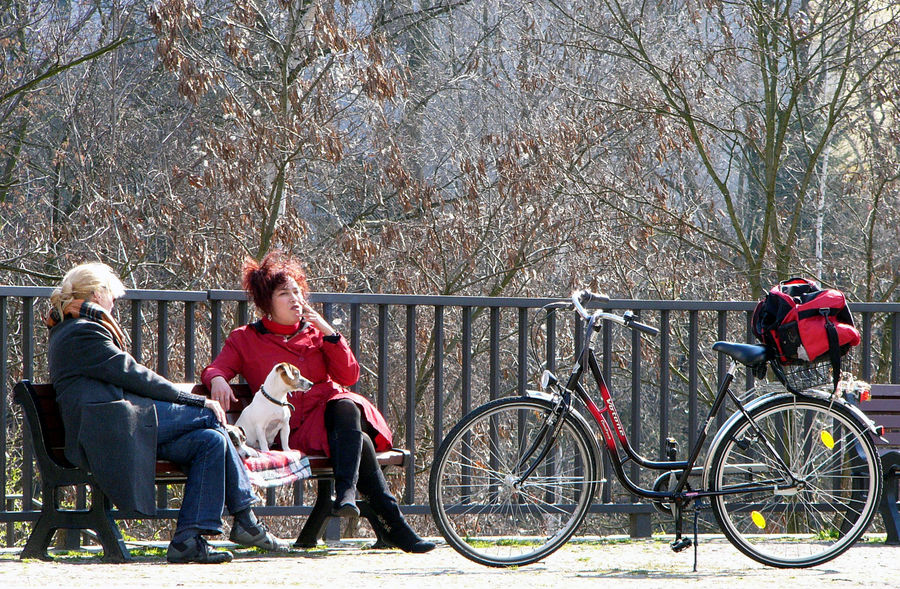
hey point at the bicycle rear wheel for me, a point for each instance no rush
(480, 505)
(829, 503)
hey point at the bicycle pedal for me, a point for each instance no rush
(679, 545)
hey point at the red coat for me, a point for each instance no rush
(252, 351)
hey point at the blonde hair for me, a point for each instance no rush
(82, 281)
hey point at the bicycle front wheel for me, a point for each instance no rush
(481, 504)
(800, 481)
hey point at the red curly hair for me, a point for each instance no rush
(261, 279)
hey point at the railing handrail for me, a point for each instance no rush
(442, 300)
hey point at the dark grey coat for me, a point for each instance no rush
(106, 401)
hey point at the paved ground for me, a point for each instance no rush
(623, 564)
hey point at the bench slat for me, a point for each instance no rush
(881, 405)
(890, 421)
(885, 391)
(893, 440)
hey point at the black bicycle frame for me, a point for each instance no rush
(608, 413)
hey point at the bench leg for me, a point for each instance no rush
(318, 518)
(41, 535)
(888, 508)
(97, 518)
(114, 549)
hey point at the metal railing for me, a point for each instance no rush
(426, 361)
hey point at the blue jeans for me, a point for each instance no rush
(193, 438)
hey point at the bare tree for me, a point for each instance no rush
(727, 114)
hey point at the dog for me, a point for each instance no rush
(239, 441)
(268, 414)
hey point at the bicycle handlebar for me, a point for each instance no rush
(581, 297)
(631, 321)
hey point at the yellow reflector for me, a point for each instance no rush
(758, 519)
(827, 439)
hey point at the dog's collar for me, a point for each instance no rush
(262, 389)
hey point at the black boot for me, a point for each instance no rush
(345, 449)
(391, 527)
(387, 520)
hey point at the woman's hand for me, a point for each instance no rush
(220, 391)
(216, 408)
(313, 317)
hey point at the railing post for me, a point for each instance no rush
(190, 341)
(27, 373)
(664, 407)
(137, 334)
(494, 369)
(466, 361)
(522, 352)
(383, 327)
(895, 348)
(693, 377)
(354, 337)
(438, 339)
(409, 492)
(162, 338)
(639, 523)
(215, 319)
(606, 496)
(4, 376)
(721, 365)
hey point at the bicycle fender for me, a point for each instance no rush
(858, 413)
(551, 398)
(536, 394)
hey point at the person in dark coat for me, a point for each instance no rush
(119, 417)
(328, 417)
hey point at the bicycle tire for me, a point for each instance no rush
(816, 520)
(476, 505)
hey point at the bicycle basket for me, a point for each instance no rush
(800, 376)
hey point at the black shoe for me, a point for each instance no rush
(196, 549)
(257, 536)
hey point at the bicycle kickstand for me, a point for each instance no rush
(680, 542)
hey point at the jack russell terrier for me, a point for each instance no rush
(269, 412)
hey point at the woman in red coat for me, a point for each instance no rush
(327, 418)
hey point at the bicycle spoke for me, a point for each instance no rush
(823, 506)
(482, 505)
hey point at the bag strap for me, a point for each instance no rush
(834, 350)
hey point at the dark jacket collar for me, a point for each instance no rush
(260, 327)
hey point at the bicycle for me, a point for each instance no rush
(792, 477)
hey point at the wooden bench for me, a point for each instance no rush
(45, 425)
(884, 409)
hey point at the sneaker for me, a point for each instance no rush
(196, 549)
(257, 536)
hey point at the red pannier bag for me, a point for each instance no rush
(801, 322)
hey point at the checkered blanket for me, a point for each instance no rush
(274, 468)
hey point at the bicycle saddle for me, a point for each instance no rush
(746, 354)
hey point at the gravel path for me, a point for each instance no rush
(624, 564)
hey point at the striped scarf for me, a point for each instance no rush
(80, 308)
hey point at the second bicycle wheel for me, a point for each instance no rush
(479, 501)
(800, 481)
